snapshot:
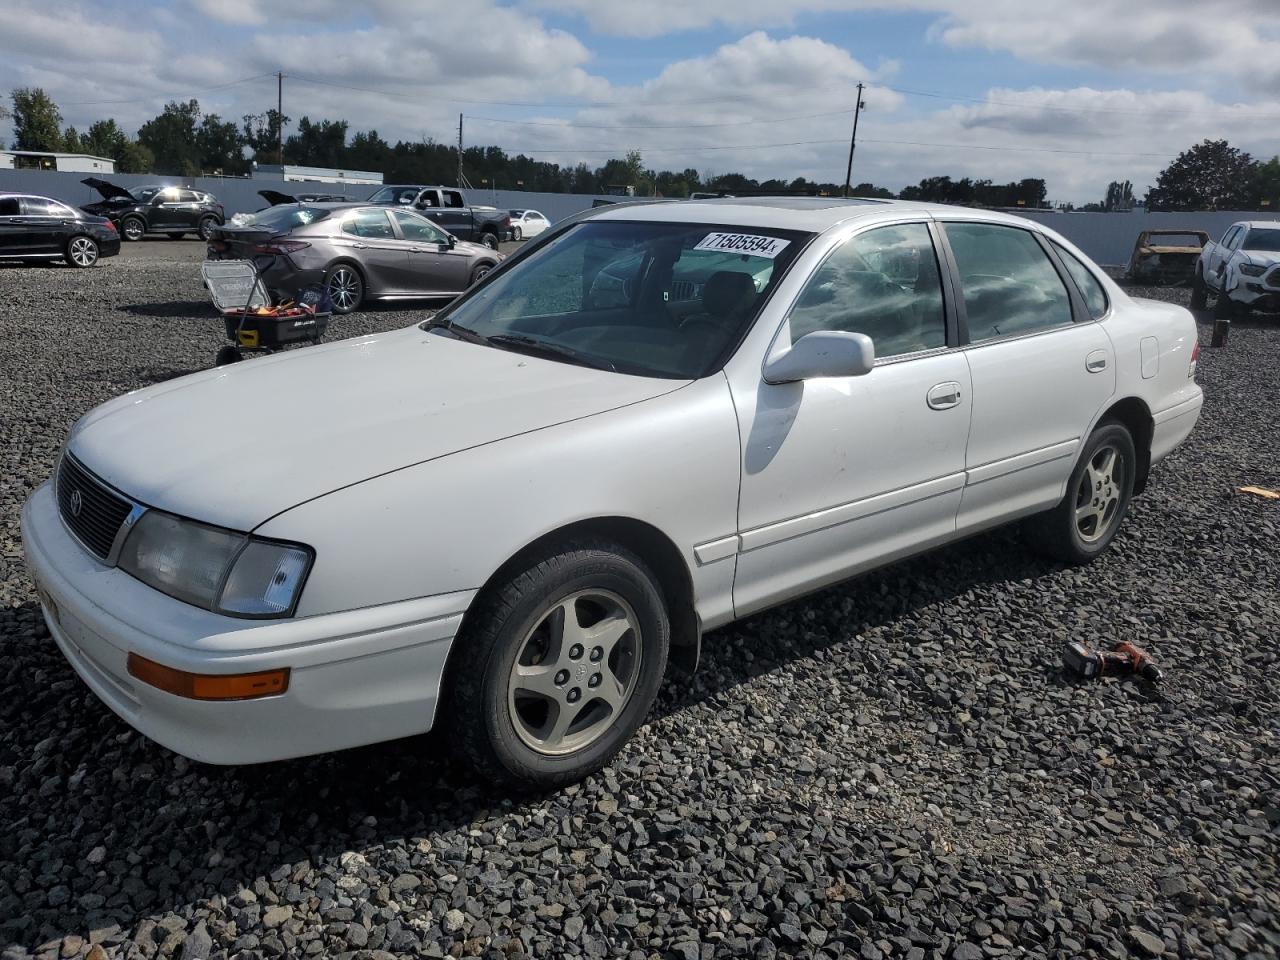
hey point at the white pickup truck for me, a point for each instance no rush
(1242, 269)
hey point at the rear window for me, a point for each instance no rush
(285, 218)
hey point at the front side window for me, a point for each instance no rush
(372, 224)
(1009, 285)
(651, 299)
(1233, 239)
(1090, 288)
(884, 283)
(418, 228)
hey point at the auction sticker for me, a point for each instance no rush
(751, 244)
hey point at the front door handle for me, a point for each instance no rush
(1096, 362)
(943, 396)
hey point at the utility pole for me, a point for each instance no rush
(280, 120)
(853, 141)
(459, 151)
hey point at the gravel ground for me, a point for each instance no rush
(892, 768)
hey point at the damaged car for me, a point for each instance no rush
(156, 208)
(1242, 270)
(1166, 256)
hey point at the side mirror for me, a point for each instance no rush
(825, 353)
(406, 200)
(449, 242)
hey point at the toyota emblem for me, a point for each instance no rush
(77, 502)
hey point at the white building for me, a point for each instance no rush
(48, 160)
(360, 178)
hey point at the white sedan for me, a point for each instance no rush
(527, 223)
(510, 519)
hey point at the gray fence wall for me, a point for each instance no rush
(1106, 237)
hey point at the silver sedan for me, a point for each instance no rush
(358, 251)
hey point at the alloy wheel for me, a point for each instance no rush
(84, 252)
(344, 288)
(575, 672)
(1098, 495)
(133, 230)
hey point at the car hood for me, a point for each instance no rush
(108, 191)
(1263, 258)
(236, 445)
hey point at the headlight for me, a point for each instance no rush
(219, 570)
(1252, 269)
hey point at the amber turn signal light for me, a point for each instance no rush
(207, 686)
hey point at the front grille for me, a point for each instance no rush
(100, 513)
(1272, 278)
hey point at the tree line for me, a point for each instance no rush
(183, 140)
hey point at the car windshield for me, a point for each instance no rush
(393, 194)
(1267, 240)
(284, 218)
(517, 213)
(651, 299)
(143, 194)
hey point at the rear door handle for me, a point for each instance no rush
(1096, 362)
(943, 396)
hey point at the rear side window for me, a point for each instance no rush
(1010, 286)
(884, 283)
(8, 206)
(369, 223)
(1095, 297)
(40, 207)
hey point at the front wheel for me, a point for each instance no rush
(345, 286)
(1083, 525)
(490, 240)
(82, 252)
(558, 665)
(516, 234)
(480, 272)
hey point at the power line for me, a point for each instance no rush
(156, 96)
(570, 124)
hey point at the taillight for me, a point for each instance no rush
(1195, 355)
(280, 248)
(111, 227)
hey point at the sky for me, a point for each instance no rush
(1079, 92)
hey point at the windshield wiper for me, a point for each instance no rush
(462, 333)
(523, 344)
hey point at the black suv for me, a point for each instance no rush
(156, 209)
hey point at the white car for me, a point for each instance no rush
(527, 223)
(510, 518)
(1241, 269)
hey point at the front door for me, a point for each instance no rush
(1042, 370)
(432, 266)
(841, 474)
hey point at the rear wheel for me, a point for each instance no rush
(559, 665)
(1083, 525)
(490, 240)
(82, 252)
(206, 226)
(1199, 292)
(132, 228)
(345, 286)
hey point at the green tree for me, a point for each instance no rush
(320, 144)
(1212, 175)
(104, 138)
(1119, 196)
(171, 138)
(1268, 184)
(37, 122)
(262, 134)
(71, 141)
(368, 151)
(220, 145)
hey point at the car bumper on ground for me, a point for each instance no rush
(356, 677)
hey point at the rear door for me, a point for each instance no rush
(1042, 370)
(45, 230)
(432, 267)
(367, 237)
(457, 217)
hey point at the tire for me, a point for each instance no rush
(81, 252)
(1199, 292)
(205, 227)
(543, 728)
(516, 234)
(1082, 526)
(490, 240)
(132, 229)
(227, 355)
(479, 272)
(346, 287)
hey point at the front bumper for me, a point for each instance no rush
(357, 677)
(1256, 296)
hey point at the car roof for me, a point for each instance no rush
(811, 214)
(1268, 224)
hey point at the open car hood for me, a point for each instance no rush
(109, 191)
